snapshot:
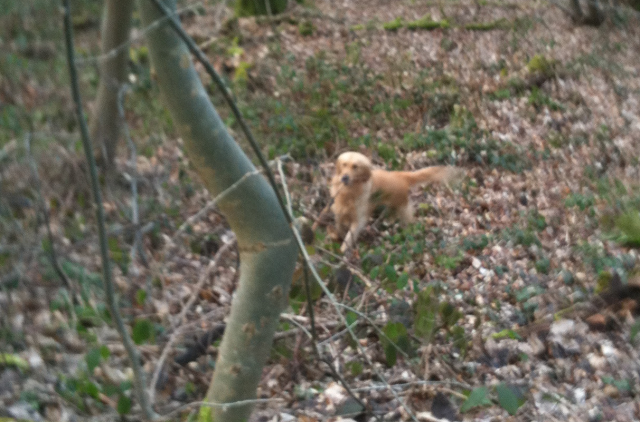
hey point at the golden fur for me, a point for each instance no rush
(357, 188)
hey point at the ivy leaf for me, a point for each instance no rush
(356, 368)
(105, 352)
(351, 318)
(141, 296)
(142, 331)
(506, 333)
(508, 399)
(477, 397)
(403, 280)
(397, 338)
(93, 358)
(124, 405)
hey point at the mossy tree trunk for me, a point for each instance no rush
(105, 125)
(594, 16)
(259, 7)
(265, 240)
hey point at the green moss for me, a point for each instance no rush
(306, 28)
(500, 94)
(393, 25)
(254, 8)
(205, 414)
(428, 24)
(540, 64)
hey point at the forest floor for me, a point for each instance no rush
(514, 295)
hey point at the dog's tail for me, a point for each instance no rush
(438, 174)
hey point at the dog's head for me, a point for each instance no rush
(353, 168)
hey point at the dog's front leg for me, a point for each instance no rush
(350, 239)
(354, 230)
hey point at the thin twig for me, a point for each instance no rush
(226, 93)
(174, 336)
(400, 387)
(133, 179)
(375, 327)
(284, 185)
(211, 204)
(133, 354)
(53, 256)
(325, 210)
(337, 305)
(139, 36)
(354, 269)
(193, 47)
(173, 413)
(314, 336)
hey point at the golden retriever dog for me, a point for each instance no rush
(357, 188)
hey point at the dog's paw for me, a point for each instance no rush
(333, 234)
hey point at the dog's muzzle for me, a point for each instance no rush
(345, 179)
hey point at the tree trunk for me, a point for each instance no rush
(577, 11)
(265, 240)
(595, 15)
(105, 127)
(259, 7)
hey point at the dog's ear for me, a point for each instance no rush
(365, 172)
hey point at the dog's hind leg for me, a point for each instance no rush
(405, 213)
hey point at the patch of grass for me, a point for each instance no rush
(581, 201)
(536, 221)
(475, 243)
(521, 237)
(600, 260)
(462, 142)
(541, 65)
(501, 94)
(449, 262)
(306, 28)
(539, 100)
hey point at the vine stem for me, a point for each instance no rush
(132, 352)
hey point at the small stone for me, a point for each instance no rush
(562, 327)
(24, 410)
(608, 350)
(611, 391)
(35, 361)
(285, 417)
(579, 395)
(475, 262)
(335, 393)
(537, 346)
(597, 322)
(597, 362)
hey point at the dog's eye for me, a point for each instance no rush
(355, 166)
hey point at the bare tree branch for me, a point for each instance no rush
(174, 336)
